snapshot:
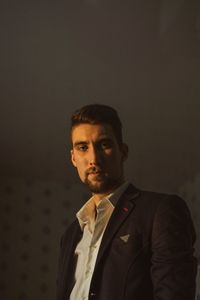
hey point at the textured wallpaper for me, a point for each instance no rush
(33, 216)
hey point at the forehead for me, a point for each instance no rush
(92, 132)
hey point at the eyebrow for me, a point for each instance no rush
(80, 143)
(103, 139)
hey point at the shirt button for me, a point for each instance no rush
(88, 271)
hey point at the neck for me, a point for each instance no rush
(99, 196)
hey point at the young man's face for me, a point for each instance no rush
(98, 157)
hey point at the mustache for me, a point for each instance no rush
(94, 169)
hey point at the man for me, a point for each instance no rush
(125, 244)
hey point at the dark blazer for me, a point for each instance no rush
(146, 252)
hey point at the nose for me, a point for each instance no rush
(95, 156)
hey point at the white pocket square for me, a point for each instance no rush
(125, 238)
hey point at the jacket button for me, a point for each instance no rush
(92, 294)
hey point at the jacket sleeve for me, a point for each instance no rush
(173, 265)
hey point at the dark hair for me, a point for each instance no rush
(98, 114)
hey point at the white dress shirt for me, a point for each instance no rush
(93, 221)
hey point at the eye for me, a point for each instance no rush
(106, 145)
(82, 148)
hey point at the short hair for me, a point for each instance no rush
(98, 114)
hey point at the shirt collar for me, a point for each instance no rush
(87, 213)
(114, 196)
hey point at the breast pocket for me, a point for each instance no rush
(128, 245)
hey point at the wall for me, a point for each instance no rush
(33, 216)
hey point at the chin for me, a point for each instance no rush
(101, 187)
(96, 188)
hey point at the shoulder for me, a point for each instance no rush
(154, 200)
(169, 213)
(161, 202)
(160, 206)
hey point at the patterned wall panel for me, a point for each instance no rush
(33, 216)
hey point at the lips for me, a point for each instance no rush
(95, 172)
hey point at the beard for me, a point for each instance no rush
(102, 184)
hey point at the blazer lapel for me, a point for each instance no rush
(122, 210)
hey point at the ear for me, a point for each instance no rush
(124, 151)
(73, 158)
